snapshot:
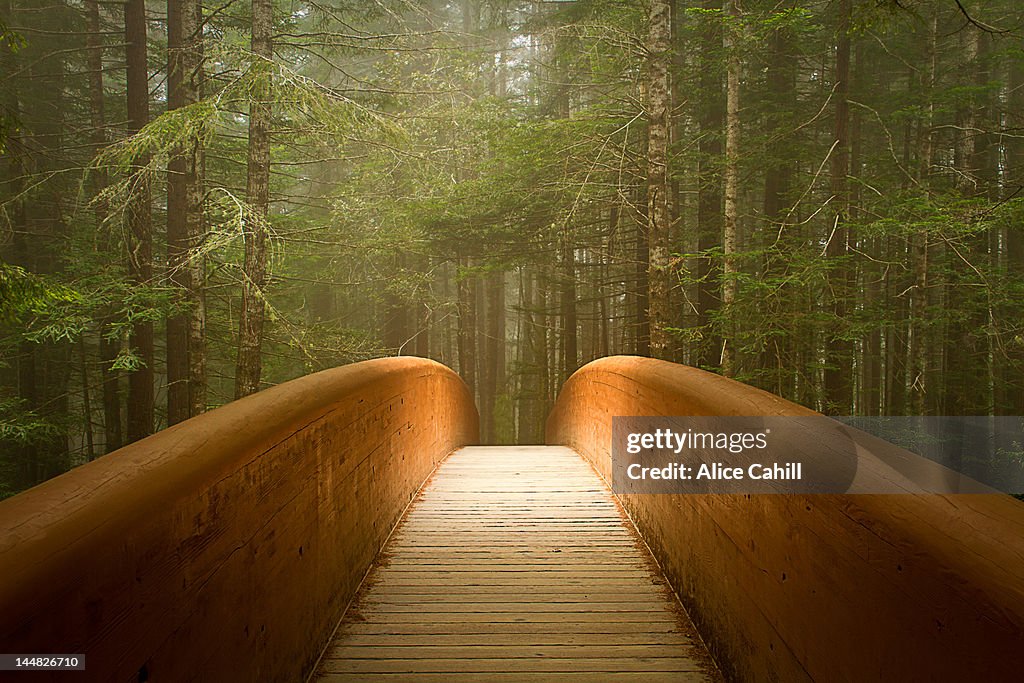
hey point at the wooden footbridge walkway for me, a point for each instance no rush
(344, 527)
(516, 564)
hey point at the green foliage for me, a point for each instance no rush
(10, 43)
(24, 295)
(411, 156)
(21, 426)
(178, 129)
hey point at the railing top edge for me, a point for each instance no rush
(160, 466)
(703, 391)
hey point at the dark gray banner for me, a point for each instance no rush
(817, 454)
(38, 662)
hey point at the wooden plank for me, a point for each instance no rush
(512, 590)
(532, 618)
(524, 677)
(550, 597)
(486, 666)
(605, 640)
(520, 581)
(501, 651)
(643, 610)
(515, 564)
(566, 626)
(593, 569)
(449, 554)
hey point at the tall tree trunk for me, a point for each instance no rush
(781, 78)
(966, 116)
(709, 189)
(421, 314)
(396, 324)
(731, 180)
(534, 369)
(870, 365)
(499, 328)
(396, 315)
(838, 348)
(422, 343)
(478, 330)
(486, 363)
(197, 376)
(680, 127)
(112, 430)
(467, 325)
(192, 25)
(603, 345)
(186, 353)
(97, 105)
(140, 226)
(871, 389)
(450, 350)
(917, 353)
(778, 179)
(545, 355)
(659, 218)
(1013, 370)
(525, 367)
(569, 342)
(641, 259)
(897, 341)
(250, 333)
(493, 366)
(177, 222)
(83, 360)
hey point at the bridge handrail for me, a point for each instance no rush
(825, 587)
(226, 547)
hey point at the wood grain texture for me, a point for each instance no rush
(827, 588)
(515, 564)
(226, 547)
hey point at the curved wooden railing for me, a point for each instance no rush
(827, 587)
(226, 547)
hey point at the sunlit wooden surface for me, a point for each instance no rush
(515, 564)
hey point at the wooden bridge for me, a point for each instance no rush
(342, 527)
(516, 564)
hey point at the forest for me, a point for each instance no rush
(820, 198)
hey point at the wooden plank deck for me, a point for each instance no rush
(515, 564)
